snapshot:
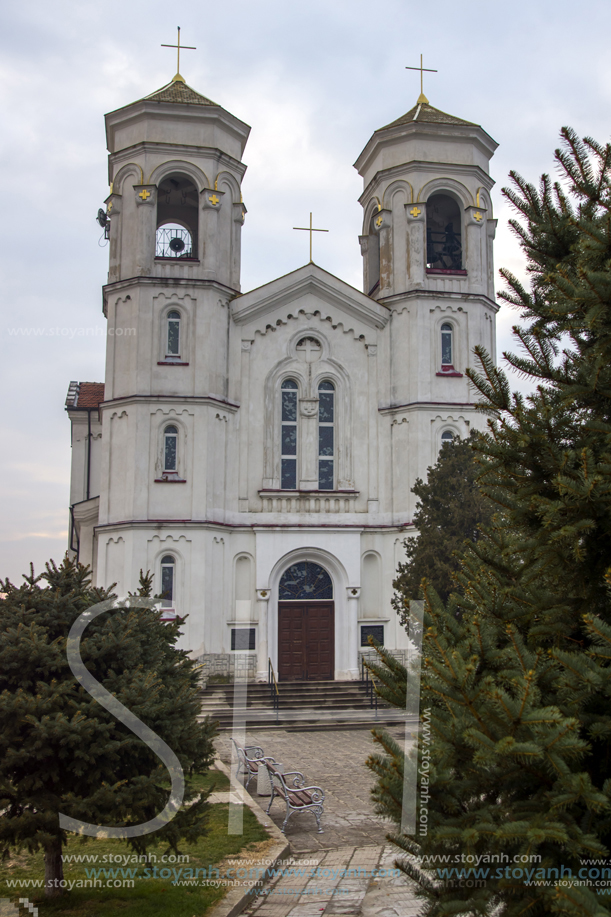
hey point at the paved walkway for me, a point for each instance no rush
(354, 837)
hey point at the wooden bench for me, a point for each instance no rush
(297, 797)
(250, 759)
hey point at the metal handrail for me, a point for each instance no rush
(366, 680)
(273, 686)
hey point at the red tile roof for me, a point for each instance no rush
(83, 395)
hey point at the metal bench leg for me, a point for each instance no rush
(317, 813)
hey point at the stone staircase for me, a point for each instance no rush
(303, 705)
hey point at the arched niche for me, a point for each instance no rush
(370, 602)
(443, 233)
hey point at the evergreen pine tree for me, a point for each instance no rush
(518, 686)
(60, 751)
(450, 512)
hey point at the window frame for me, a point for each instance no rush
(447, 328)
(327, 425)
(169, 430)
(173, 315)
(289, 385)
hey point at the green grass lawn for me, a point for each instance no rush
(149, 896)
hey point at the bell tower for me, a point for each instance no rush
(176, 213)
(427, 247)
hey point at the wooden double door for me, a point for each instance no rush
(306, 644)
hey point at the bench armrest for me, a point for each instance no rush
(299, 778)
(316, 792)
(249, 748)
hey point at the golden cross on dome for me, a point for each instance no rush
(310, 229)
(178, 78)
(422, 98)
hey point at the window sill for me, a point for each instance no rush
(279, 492)
(451, 372)
(444, 272)
(170, 479)
(176, 260)
(170, 363)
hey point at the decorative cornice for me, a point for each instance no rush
(213, 400)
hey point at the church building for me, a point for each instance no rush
(256, 450)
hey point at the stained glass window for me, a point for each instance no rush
(173, 342)
(170, 449)
(305, 580)
(446, 344)
(289, 435)
(326, 435)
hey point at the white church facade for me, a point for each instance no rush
(256, 450)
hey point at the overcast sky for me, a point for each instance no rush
(314, 80)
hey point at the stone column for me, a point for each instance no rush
(244, 416)
(416, 249)
(211, 204)
(262, 636)
(475, 221)
(382, 223)
(351, 653)
(146, 200)
(373, 440)
(308, 432)
(239, 212)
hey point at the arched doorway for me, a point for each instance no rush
(306, 624)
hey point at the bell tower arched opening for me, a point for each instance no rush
(443, 234)
(177, 218)
(306, 624)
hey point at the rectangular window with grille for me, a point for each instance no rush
(375, 630)
(242, 638)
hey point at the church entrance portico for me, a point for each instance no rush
(306, 624)
(307, 600)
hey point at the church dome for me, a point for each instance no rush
(424, 112)
(178, 91)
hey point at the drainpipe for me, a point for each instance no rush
(88, 451)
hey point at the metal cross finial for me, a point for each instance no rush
(422, 97)
(310, 229)
(178, 77)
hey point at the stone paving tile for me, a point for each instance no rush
(354, 836)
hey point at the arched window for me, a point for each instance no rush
(168, 570)
(305, 580)
(447, 437)
(326, 435)
(170, 449)
(177, 218)
(289, 435)
(443, 234)
(447, 348)
(173, 334)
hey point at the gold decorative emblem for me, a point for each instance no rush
(354, 591)
(379, 222)
(144, 194)
(214, 199)
(263, 594)
(109, 208)
(415, 212)
(477, 216)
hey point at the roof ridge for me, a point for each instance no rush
(425, 112)
(177, 91)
